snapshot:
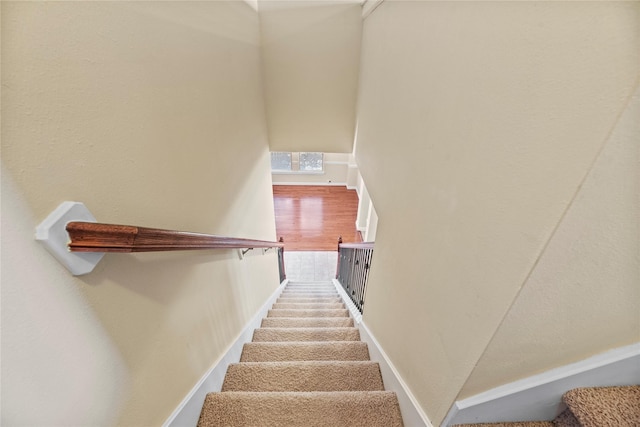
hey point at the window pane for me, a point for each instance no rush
(310, 161)
(281, 161)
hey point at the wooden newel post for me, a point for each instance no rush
(338, 263)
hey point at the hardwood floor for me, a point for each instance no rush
(311, 218)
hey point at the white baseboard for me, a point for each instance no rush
(188, 412)
(412, 414)
(357, 317)
(538, 398)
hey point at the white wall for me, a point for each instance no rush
(152, 114)
(364, 205)
(583, 295)
(477, 124)
(310, 53)
(372, 224)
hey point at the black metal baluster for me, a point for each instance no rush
(352, 272)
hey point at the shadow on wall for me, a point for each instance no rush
(165, 272)
(56, 352)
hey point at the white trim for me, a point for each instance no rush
(52, 233)
(333, 184)
(412, 414)
(538, 397)
(188, 411)
(451, 415)
(357, 317)
(336, 162)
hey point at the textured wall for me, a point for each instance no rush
(583, 295)
(310, 53)
(477, 123)
(151, 113)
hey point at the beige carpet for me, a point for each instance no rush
(590, 407)
(307, 306)
(605, 406)
(303, 376)
(297, 351)
(306, 334)
(307, 300)
(305, 366)
(306, 322)
(316, 312)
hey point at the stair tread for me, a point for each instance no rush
(307, 295)
(307, 300)
(307, 322)
(291, 351)
(308, 409)
(319, 312)
(306, 306)
(328, 286)
(310, 298)
(303, 376)
(306, 334)
(308, 290)
(605, 406)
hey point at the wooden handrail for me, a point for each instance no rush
(362, 245)
(96, 237)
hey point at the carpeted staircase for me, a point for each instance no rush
(590, 407)
(305, 366)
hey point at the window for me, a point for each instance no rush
(292, 162)
(280, 161)
(310, 161)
